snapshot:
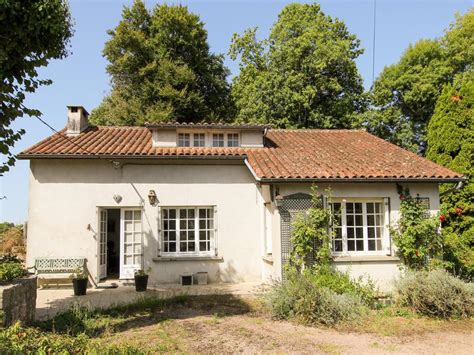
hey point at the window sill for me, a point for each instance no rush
(188, 258)
(365, 258)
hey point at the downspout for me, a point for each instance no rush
(458, 186)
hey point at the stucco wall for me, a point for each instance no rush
(382, 270)
(65, 196)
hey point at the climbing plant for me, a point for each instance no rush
(311, 234)
(416, 236)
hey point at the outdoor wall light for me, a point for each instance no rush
(152, 198)
(279, 201)
(117, 198)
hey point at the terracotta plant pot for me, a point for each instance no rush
(80, 286)
(141, 282)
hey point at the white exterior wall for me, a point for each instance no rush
(382, 269)
(65, 196)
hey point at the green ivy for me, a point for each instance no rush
(310, 230)
(416, 237)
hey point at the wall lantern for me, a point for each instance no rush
(117, 198)
(152, 198)
(279, 201)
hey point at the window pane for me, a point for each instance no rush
(350, 245)
(372, 245)
(349, 207)
(370, 220)
(370, 207)
(358, 207)
(191, 246)
(182, 224)
(182, 213)
(359, 220)
(137, 215)
(172, 247)
(173, 235)
(129, 215)
(172, 213)
(350, 233)
(338, 245)
(359, 233)
(360, 245)
(203, 246)
(371, 232)
(350, 220)
(233, 140)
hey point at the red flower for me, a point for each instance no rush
(402, 197)
(442, 218)
(458, 211)
(417, 252)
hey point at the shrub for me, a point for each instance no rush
(341, 283)
(435, 294)
(301, 298)
(11, 268)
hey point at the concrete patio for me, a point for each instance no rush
(51, 301)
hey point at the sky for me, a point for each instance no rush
(81, 78)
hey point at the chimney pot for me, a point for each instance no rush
(77, 120)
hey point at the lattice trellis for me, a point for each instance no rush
(290, 207)
(58, 265)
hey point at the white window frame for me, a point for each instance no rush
(194, 139)
(228, 140)
(213, 241)
(223, 139)
(385, 230)
(189, 139)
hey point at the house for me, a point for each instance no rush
(215, 198)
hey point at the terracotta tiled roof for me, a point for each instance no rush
(288, 154)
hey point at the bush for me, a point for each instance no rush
(435, 294)
(341, 283)
(300, 297)
(11, 268)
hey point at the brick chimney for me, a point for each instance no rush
(77, 120)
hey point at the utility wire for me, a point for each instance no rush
(114, 163)
(373, 40)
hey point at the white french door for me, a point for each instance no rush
(102, 243)
(131, 252)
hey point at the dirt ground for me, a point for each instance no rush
(233, 328)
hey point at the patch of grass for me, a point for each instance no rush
(398, 322)
(329, 348)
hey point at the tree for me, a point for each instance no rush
(451, 144)
(404, 95)
(302, 75)
(161, 69)
(32, 33)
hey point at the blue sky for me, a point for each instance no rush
(81, 79)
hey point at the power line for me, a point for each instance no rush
(373, 40)
(114, 163)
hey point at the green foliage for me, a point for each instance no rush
(416, 237)
(11, 268)
(33, 33)
(303, 75)
(300, 298)
(12, 240)
(79, 274)
(435, 294)
(311, 235)
(451, 144)
(162, 70)
(342, 283)
(404, 95)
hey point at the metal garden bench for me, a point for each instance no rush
(50, 268)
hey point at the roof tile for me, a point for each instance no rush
(288, 154)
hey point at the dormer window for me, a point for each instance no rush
(199, 140)
(184, 140)
(233, 140)
(218, 139)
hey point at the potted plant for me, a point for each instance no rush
(79, 282)
(141, 279)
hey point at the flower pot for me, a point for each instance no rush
(80, 286)
(141, 282)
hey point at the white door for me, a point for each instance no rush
(131, 242)
(102, 244)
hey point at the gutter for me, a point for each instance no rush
(251, 170)
(310, 180)
(119, 157)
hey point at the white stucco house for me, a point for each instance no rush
(215, 198)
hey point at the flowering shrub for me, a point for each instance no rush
(416, 237)
(11, 268)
